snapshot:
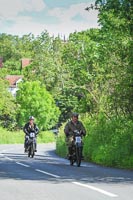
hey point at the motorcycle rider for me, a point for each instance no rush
(71, 126)
(28, 128)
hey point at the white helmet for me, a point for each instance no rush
(31, 117)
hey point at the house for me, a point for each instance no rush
(14, 80)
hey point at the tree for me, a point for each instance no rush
(47, 62)
(13, 49)
(34, 99)
(80, 57)
(115, 18)
(7, 106)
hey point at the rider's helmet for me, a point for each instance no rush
(75, 114)
(31, 117)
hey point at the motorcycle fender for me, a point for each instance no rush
(79, 144)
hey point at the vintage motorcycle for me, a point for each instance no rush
(31, 144)
(77, 146)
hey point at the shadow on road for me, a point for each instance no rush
(11, 168)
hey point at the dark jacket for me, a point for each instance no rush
(71, 127)
(28, 129)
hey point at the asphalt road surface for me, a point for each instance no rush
(49, 177)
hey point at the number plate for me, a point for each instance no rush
(78, 139)
(32, 135)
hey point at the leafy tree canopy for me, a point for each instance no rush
(7, 105)
(34, 99)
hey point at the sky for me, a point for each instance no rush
(58, 17)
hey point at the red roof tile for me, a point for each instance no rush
(13, 79)
(25, 62)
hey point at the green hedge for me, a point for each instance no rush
(109, 142)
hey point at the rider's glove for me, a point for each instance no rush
(83, 133)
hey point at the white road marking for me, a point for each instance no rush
(56, 176)
(22, 164)
(8, 158)
(96, 189)
(53, 175)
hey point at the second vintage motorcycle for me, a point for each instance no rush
(76, 156)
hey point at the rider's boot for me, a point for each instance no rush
(69, 152)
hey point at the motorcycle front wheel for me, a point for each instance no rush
(29, 151)
(32, 150)
(78, 156)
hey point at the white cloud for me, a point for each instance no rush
(66, 25)
(34, 5)
(9, 9)
(67, 14)
(25, 25)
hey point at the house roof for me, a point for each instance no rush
(13, 79)
(25, 62)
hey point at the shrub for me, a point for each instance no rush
(109, 142)
(61, 148)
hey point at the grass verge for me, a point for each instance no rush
(17, 137)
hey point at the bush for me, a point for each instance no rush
(109, 142)
(61, 148)
(46, 137)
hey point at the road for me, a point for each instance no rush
(49, 177)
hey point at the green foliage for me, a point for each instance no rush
(108, 142)
(115, 57)
(34, 99)
(7, 106)
(11, 137)
(61, 148)
(13, 49)
(13, 66)
(113, 141)
(46, 137)
(78, 57)
(46, 65)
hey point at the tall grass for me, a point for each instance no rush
(17, 137)
(61, 148)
